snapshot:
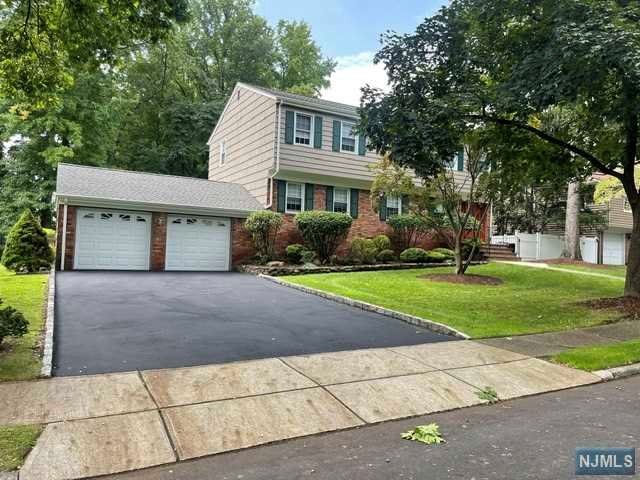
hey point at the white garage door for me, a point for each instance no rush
(112, 240)
(197, 243)
(613, 249)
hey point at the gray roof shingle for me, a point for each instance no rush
(335, 107)
(152, 188)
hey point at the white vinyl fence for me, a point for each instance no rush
(542, 246)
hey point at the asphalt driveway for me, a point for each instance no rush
(121, 321)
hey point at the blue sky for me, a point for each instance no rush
(349, 32)
(348, 27)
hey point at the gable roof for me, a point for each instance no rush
(170, 192)
(306, 102)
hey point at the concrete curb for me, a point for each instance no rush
(8, 475)
(421, 322)
(618, 372)
(47, 357)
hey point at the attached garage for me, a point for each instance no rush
(112, 240)
(197, 243)
(613, 248)
(120, 220)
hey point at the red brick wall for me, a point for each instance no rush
(158, 241)
(241, 245)
(71, 237)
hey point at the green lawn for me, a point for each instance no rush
(601, 356)
(15, 443)
(530, 300)
(18, 359)
(614, 270)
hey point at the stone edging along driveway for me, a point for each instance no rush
(369, 307)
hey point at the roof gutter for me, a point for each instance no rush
(276, 160)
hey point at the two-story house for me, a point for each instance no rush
(269, 150)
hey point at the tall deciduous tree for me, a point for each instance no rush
(506, 63)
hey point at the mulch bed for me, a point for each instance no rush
(467, 279)
(629, 307)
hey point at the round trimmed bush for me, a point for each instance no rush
(386, 256)
(294, 253)
(27, 248)
(414, 255)
(363, 250)
(323, 231)
(382, 242)
(448, 253)
(12, 322)
(307, 256)
(436, 257)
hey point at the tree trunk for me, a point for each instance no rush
(572, 223)
(458, 255)
(632, 283)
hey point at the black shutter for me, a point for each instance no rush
(329, 202)
(337, 131)
(282, 196)
(288, 127)
(354, 202)
(362, 145)
(461, 160)
(382, 208)
(308, 196)
(405, 204)
(317, 132)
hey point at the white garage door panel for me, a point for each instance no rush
(613, 249)
(112, 240)
(197, 243)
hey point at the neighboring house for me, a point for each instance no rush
(269, 149)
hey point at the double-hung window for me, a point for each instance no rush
(303, 128)
(394, 206)
(295, 197)
(341, 200)
(348, 137)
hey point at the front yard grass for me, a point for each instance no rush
(613, 270)
(601, 356)
(19, 359)
(15, 443)
(529, 301)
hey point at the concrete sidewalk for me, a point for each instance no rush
(547, 344)
(104, 424)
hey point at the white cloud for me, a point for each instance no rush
(351, 74)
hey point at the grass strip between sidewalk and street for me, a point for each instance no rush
(601, 357)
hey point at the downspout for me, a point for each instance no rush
(63, 253)
(277, 156)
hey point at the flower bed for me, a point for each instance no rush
(282, 270)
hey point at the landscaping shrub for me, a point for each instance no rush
(363, 250)
(323, 231)
(294, 253)
(450, 254)
(263, 227)
(382, 242)
(406, 229)
(12, 322)
(414, 255)
(467, 245)
(307, 256)
(386, 256)
(27, 248)
(436, 257)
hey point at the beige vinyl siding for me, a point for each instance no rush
(325, 162)
(618, 218)
(248, 128)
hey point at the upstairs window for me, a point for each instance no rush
(303, 124)
(348, 138)
(341, 200)
(394, 206)
(295, 197)
(223, 152)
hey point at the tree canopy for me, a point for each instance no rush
(511, 64)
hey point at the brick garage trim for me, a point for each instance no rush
(70, 241)
(158, 250)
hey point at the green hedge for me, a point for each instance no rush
(323, 231)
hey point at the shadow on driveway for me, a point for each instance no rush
(121, 321)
